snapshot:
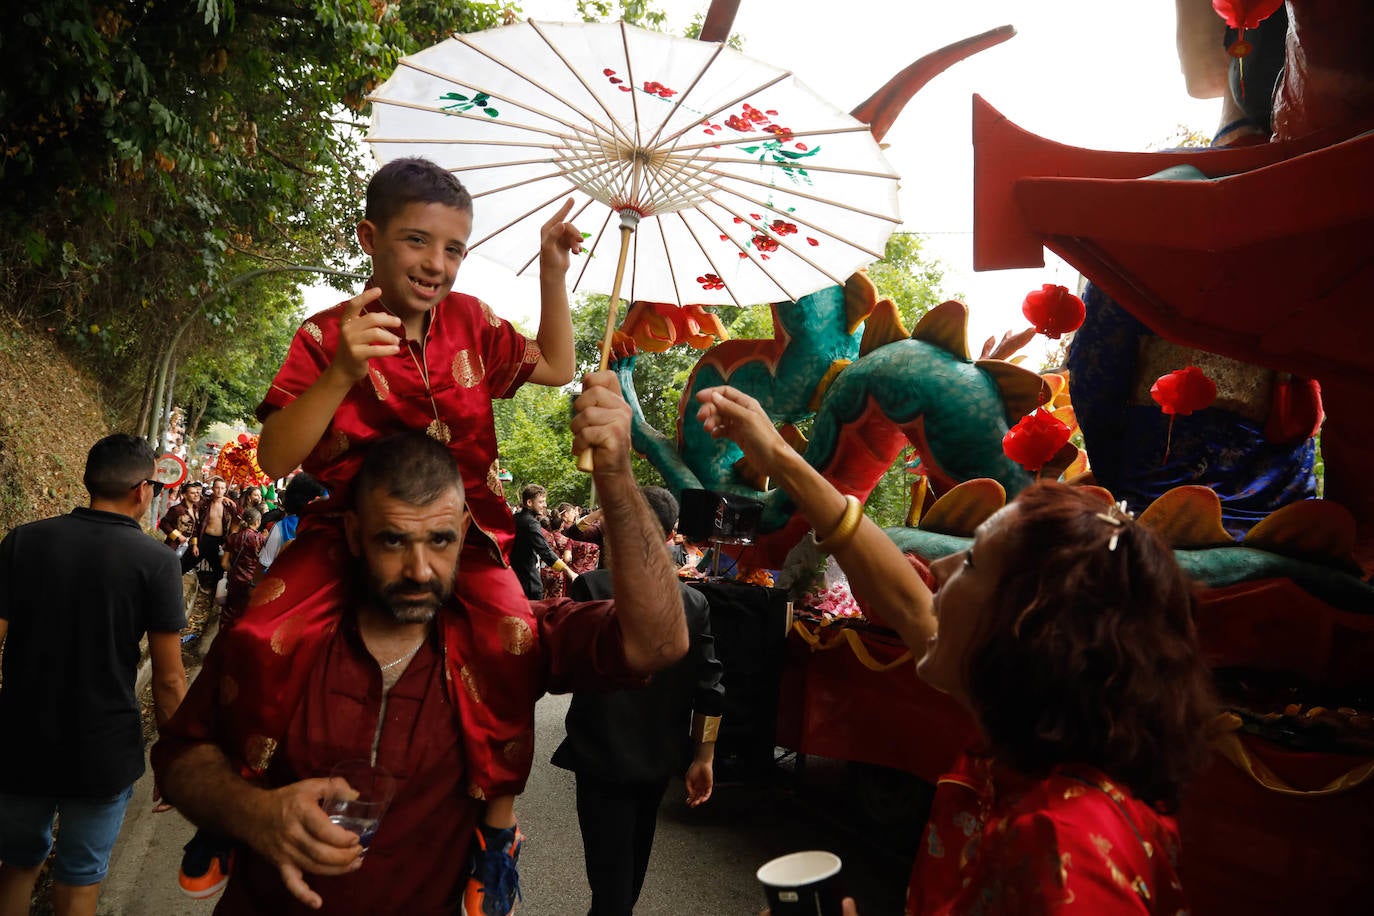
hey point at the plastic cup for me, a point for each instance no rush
(803, 884)
(374, 787)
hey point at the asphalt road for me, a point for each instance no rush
(703, 860)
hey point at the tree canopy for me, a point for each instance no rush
(153, 154)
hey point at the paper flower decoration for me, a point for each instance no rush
(1053, 310)
(657, 327)
(1035, 440)
(834, 600)
(1180, 393)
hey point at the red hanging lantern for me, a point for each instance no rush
(1241, 15)
(1053, 310)
(1032, 442)
(1183, 391)
(1180, 393)
(1245, 14)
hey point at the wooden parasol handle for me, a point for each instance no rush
(627, 228)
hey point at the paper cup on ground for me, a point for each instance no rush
(802, 884)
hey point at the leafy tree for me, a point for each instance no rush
(536, 444)
(151, 157)
(635, 12)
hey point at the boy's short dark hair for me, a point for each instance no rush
(532, 491)
(407, 181)
(116, 464)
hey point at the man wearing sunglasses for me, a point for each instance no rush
(77, 593)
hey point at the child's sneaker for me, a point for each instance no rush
(494, 884)
(205, 865)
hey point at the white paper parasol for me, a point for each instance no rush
(727, 180)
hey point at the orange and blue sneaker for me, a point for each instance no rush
(494, 883)
(205, 865)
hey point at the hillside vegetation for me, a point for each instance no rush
(49, 417)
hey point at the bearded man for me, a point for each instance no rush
(386, 683)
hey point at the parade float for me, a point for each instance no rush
(1224, 316)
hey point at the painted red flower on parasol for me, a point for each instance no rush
(1180, 393)
(1053, 310)
(1032, 442)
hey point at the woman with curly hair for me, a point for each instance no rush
(1066, 630)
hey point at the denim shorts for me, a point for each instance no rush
(86, 833)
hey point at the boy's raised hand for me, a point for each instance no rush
(557, 238)
(364, 334)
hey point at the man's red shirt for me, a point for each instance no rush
(417, 862)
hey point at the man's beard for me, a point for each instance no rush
(399, 601)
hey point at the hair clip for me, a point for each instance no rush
(1116, 515)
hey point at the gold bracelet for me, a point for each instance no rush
(704, 728)
(844, 530)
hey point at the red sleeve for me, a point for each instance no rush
(1040, 865)
(306, 359)
(509, 356)
(582, 646)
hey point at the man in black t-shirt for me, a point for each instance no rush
(77, 594)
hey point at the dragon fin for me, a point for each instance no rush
(945, 326)
(1059, 387)
(860, 298)
(884, 327)
(1022, 390)
(1314, 529)
(1086, 483)
(919, 488)
(1077, 468)
(836, 367)
(1187, 518)
(965, 507)
(793, 437)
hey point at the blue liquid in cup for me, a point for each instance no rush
(364, 827)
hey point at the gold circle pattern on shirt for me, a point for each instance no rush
(516, 636)
(268, 590)
(468, 370)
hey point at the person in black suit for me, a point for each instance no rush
(625, 746)
(530, 546)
